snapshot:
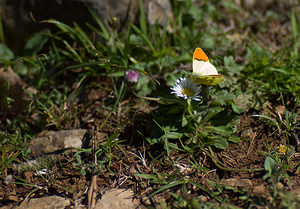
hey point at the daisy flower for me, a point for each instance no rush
(185, 88)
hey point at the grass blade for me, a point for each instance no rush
(165, 187)
(104, 32)
(145, 38)
(142, 17)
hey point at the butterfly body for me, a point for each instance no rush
(203, 71)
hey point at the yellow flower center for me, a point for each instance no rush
(188, 91)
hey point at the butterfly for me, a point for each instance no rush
(203, 71)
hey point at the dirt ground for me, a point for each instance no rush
(66, 180)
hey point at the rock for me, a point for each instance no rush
(7, 207)
(8, 179)
(35, 164)
(279, 185)
(12, 86)
(51, 202)
(280, 109)
(96, 94)
(247, 133)
(54, 141)
(296, 191)
(79, 207)
(28, 176)
(237, 182)
(203, 198)
(260, 189)
(281, 6)
(161, 11)
(116, 199)
(12, 196)
(22, 18)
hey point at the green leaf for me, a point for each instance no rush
(294, 25)
(222, 130)
(104, 32)
(111, 138)
(237, 109)
(35, 43)
(173, 135)
(144, 85)
(73, 51)
(64, 27)
(184, 121)
(270, 167)
(231, 65)
(212, 111)
(220, 143)
(5, 53)
(165, 187)
(82, 171)
(145, 176)
(223, 96)
(166, 146)
(142, 17)
(145, 38)
(234, 139)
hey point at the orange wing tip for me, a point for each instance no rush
(200, 55)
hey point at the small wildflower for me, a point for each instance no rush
(132, 76)
(282, 149)
(185, 88)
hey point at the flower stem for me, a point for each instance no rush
(189, 109)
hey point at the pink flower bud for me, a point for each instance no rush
(132, 76)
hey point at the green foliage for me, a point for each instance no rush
(271, 76)
(207, 124)
(271, 169)
(11, 147)
(5, 54)
(103, 154)
(35, 43)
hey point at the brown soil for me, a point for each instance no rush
(65, 179)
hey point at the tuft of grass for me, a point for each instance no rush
(13, 145)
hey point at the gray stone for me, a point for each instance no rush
(260, 190)
(53, 141)
(7, 207)
(23, 17)
(160, 11)
(51, 202)
(8, 179)
(233, 182)
(12, 86)
(117, 199)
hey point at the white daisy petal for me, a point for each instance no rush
(185, 88)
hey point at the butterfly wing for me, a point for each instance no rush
(203, 71)
(204, 68)
(207, 79)
(200, 55)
